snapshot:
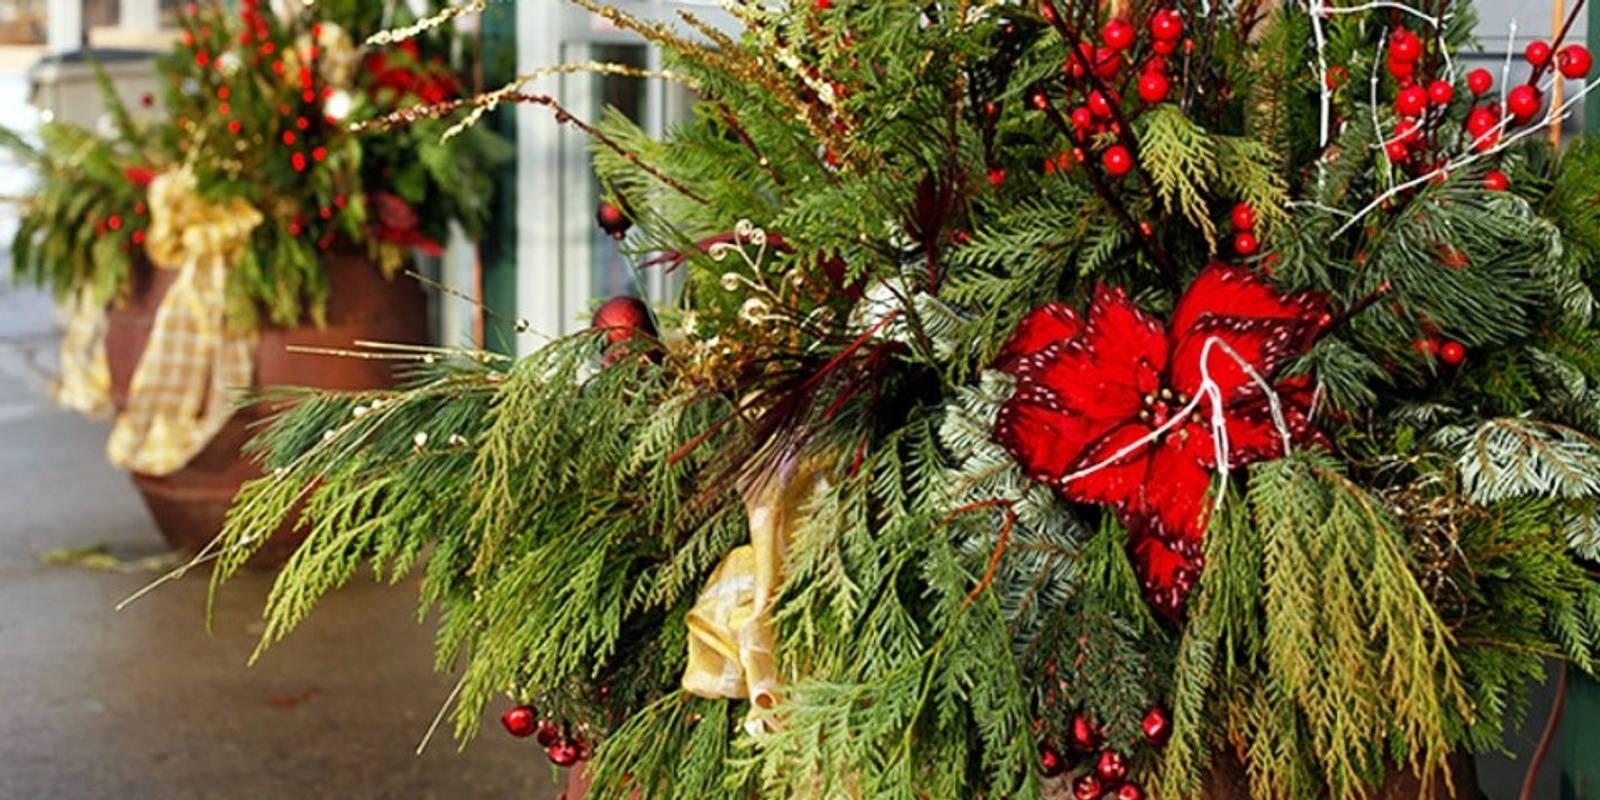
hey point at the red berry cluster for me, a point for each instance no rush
(1106, 775)
(1098, 75)
(563, 748)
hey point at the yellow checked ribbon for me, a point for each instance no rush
(731, 648)
(178, 397)
(84, 385)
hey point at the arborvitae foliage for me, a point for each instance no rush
(1299, 460)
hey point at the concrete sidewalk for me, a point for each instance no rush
(143, 703)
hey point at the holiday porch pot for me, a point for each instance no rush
(177, 368)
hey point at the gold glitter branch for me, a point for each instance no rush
(427, 23)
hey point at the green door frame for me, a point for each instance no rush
(497, 254)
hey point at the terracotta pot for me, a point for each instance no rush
(189, 505)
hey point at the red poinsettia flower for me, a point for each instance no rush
(1117, 409)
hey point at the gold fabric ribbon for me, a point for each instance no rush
(178, 397)
(731, 649)
(84, 385)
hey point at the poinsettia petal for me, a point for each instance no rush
(1036, 428)
(1226, 290)
(1253, 433)
(1166, 576)
(1040, 328)
(1215, 347)
(1130, 348)
(1173, 504)
(1112, 478)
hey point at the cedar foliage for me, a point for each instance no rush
(861, 216)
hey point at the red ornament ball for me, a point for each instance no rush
(623, 317)
(565, 753)
(1538, 53)
(1166, 26)
(1452, 353)
(1440, 93)
(1112, 766)
(1082, 120)
(1574, 61)
(1088, 787)
(1051, 762)
(1085, 735)
(1496, 181)
(549, 733)
(1245, 243)
(1396, 150)
(1523, 102)
(520, 721)
(1156, 726)
(1153, 87)
(1099, 105)
(1479, 81)
(1117, 160)
(612, 220)
(1129, 791)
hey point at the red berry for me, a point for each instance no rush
(1038, 99)
(1153, 87)
(821, 5)
(1051, 763)
(565, 753)
(1496, 181)
(1481, 121)
(1440, 93)
(1112, 766)
(1166, 26)
(1405, 46)
(1088, 787)
(1538, 53)
(1452, 353)
(1130, 791)
(1408, 130)
(549, 733)
(1164, 47)
(1106, 63)
(1116, 160)
(1244, 217)
(1411, 102)
(1082, 120)
(612, 220)
(1574, 61)
(1099, 105)
(1523, 102)
(1401, 70)
(520, 721)
(1156, 726)
(1245, 243)
(1117, 34)
(997, 176)
(1396, 150)
(1337, 75)
(1480, 81)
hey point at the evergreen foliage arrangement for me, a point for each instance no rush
(1127, 390)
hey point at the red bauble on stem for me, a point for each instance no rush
(1156, 727)
(1452, 353)
(565, 753)
(549, 733)
(1051, 762)
(1153, 87)
(1112, 766)
(622, 318)
(1496, 181)
(1085, 735)
(1243, 217)
(612, 220)
(1538, 53)
(520, 721)
(1523, 102)
(1130, 791)
(1088, 787)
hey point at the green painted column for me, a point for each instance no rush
(498, 251)
(1580, 739)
